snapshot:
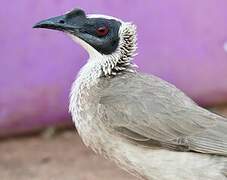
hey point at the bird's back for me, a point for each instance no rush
(156, 110)
(153, 113)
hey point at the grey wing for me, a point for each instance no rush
(152, 112)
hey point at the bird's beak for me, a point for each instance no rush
(60, 23)
(71, 22)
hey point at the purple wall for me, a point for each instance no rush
(180, 41)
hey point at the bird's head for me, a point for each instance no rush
(108, 40)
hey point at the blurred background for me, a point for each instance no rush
(183, 42)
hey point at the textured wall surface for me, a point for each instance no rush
(181, 41)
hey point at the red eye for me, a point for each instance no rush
(102, 31)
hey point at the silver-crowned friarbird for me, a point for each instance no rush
(143, 123)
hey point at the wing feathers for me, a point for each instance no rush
(146, 109)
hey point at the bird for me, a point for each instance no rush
(144, 124)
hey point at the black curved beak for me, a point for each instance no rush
(69, 22)
(56, 23)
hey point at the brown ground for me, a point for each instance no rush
(62, 157)
(58, 157)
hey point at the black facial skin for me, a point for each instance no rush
(76, 23)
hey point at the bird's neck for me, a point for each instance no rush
(118, 61)
(100, 65)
